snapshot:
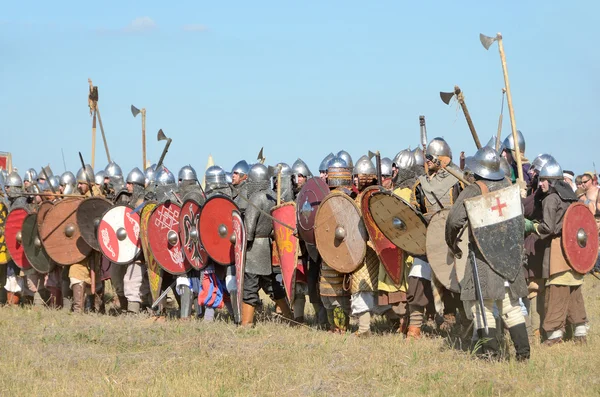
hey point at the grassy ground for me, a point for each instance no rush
(45, 352)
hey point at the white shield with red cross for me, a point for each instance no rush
(497, 224)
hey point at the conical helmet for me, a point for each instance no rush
(486, 164)
(364, 166)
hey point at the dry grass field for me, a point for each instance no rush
(45, 352)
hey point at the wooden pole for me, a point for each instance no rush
(499, 133)
(511, 112)
(463, 105)
(143, 138)
(102, 132)
(93, 157)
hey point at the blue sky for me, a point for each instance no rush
(301, 79)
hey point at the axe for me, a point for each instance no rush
(161, 137)
(377, 156)
(261, 159)
(135, 111)
(423, 141)
(487, 42)
(95, 111)
(276, 171)
(447, 96)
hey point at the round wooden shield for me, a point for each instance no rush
(399, 222)
(4, 255)
(580, 238)
(447, 269)
(119, 235)
(89, 214)
(307, 203)
(216, 228)
(189, 233)
(14, 237)
(60, 234)
(340, 233)
(32, 244)
(163, 238)
(42, 211)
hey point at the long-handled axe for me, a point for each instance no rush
(261, 158)
(162, 137)
(487, 42)
(95, 111)
(447, 96)
(377, 156)
(135, 111)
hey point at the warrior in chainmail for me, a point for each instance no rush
(239, 178)
(258, 271)
(495, 289)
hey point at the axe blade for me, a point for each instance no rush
(446, 97)
(260, 156)
(486, 41)
(135, 111)
(161, 135)
(371, 154)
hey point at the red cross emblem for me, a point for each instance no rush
(498, 207)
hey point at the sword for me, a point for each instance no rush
(478, 292)
(163, 295)
(87, 177)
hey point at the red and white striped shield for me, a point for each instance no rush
(497, 224)
(119, 235)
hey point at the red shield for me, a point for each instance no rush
(14, 234)
(580, 238)
(163, 236)
(239, 249)
(216, 228)
(307, 203)
(154, 270)
(286, 244)
(4, 255)
(119, 235)
(189, 234)
(390, 255)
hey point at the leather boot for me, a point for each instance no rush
(56, 299)
(299, 309)
(488, 344)
(520, 339)
(284, 308)
(413, 332)
(247, 315)
(27, 300)
(78, 298)
(122, 304)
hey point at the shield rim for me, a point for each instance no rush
(364, 248)
(95, 245)
(570, 210)
(241, 268)
(191, 200)
(415, 211)
(143, 234)
(23, 256)
(450, 286)
(137, 255)
(235, 207)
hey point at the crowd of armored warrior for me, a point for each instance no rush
(430, 243)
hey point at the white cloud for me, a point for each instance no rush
(194, 28)
(140, 24)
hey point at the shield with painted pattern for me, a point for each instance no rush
(286, 245)
(239, 233)
(119, 235)
(89, 215)
(155, 273)
(32, 244)
(216, 229)
(580, 238)
(60, 233)
(14, 237)
(399, 222)
(390, 256)
(497, 226)
(308, 201)
(163, 237)
(340, 233)
(4, 255)
(189, 233)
